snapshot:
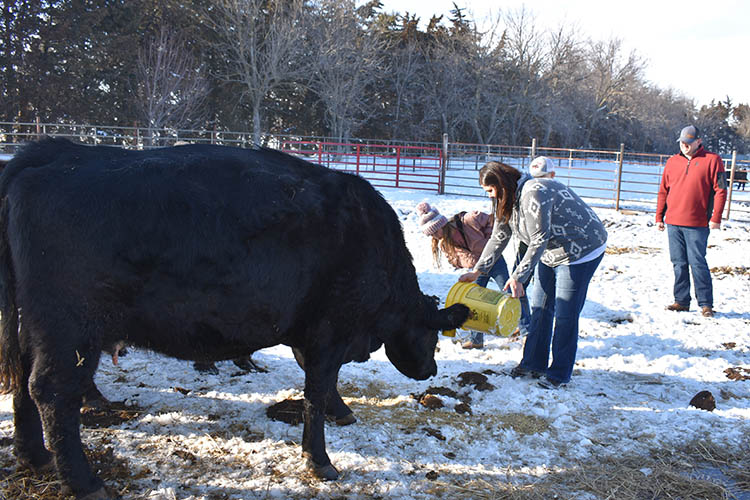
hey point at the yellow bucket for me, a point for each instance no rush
(492, 312)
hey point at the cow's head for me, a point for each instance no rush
(412, 348)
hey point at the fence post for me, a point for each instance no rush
(398, 163)
(443, 165)
(619, 176)
(731, 184)
(38, 129)
(533, 148)
(358, 159)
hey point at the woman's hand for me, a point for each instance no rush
(516, 288)
(470, 276)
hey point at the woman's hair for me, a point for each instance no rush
(445, 244)
(504, 179)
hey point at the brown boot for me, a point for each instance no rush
(677, 307)
(707, 311)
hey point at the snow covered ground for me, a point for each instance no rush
(208, 436)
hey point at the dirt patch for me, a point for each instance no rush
(478, 380)
(289, 411)
(109, 414)
(704, 400)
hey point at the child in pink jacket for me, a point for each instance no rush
(461, 239)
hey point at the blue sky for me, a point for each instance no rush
(696, 47)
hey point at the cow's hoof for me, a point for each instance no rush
(325, 472)
(346, 420)
(248, 365)
(206, 368)
(40, 467)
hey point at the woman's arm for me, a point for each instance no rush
(493, 250)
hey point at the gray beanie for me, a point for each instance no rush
(430, 220)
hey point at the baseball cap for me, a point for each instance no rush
(688, 134)
(541, 166)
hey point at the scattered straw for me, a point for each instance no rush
(698, 470)
(611, 250)
(731, 271)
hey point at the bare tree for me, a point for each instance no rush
(563, 73)
(263, 42)
(171, 87)
(404, 66)
(522, 74)
(486, 107)
(346, 63)
(611, 84)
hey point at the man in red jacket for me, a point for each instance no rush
(691, 200)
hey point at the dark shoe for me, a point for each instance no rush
(550, 384)
(707, 311)
(677, 307)
(472, 345)
(518, 372)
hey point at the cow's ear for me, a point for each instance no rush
(450, 318)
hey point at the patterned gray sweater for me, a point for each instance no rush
(552, 220)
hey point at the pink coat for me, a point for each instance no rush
(477, 227)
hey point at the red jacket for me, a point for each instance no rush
(692, 192)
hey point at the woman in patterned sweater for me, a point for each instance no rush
(566, 242)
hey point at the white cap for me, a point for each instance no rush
(541, 166)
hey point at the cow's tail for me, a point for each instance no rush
(10, 352)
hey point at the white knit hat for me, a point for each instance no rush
(541, 166)
(430, 220)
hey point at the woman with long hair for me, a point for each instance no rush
(565, 244)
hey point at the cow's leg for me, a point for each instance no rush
(335, 406)
(29, 439)
(56, 385)
(320, 378)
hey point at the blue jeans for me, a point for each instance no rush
(524, 322)
(687, 250)
(557, 297)
(499, 273)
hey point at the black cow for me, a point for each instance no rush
(202, 253)
(740, 177)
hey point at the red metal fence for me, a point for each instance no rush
(396, 166)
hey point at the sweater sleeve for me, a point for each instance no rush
(493, 250)
(538, 226)
(661, 197)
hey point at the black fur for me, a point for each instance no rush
(198, 252)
